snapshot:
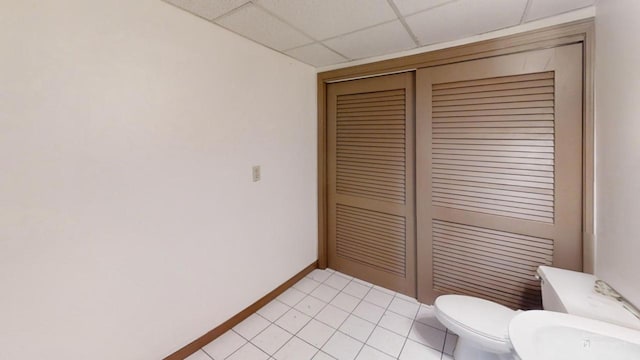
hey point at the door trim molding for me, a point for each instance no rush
(582, 31)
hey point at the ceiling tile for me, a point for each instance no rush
(378, 40)
(407, 7)
(544, 8)
(208, 9)
(316, 55)
(465, 18)
(324, 19)
(257, 25)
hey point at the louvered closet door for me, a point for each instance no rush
(371, 202)
(499, 164)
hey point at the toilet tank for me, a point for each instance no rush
(573, 292)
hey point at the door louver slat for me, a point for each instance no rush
(371, 238)
(484, 140)
(365, 131)
(491, 264)
(492, 81)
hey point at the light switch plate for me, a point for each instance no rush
(256, 173)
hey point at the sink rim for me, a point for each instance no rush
(524, 326)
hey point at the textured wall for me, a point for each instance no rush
(618, 146)
(129, 224)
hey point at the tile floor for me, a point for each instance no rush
(329, 315)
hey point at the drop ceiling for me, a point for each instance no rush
(328, 32)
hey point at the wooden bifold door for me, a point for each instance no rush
(371, 211)
(485, 186)
(499, 159)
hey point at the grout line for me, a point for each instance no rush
(337, 328)
(240, 347)
(414, 320)
(329, 303)
(311, 317)
(249, 340)
(404, 315)
(206, 353)
(407, 339)
(286, 342)
(270, 323)
(374, 329)
(411, 328)
(351, 313)
(274, 323)
(444, 343)
(345, 319)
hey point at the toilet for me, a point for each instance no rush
(482, 325)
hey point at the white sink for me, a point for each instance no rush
(548, 335)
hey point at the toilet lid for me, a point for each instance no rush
(481, 316)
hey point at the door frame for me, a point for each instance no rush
(581, 31)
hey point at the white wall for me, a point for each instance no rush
(129, 225)
(618, 146)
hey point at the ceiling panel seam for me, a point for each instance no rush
(375, 35)
(359, 30)
(335, 51)
(315, 41)
(403, 22)
(286, 22)
(430, 8)
(526, 12)
(231, 12)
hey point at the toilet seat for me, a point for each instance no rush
(483, 321)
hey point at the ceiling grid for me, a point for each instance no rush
(328, 32)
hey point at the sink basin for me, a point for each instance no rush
(548, 335)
